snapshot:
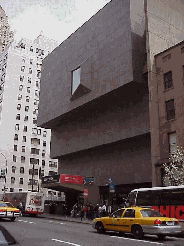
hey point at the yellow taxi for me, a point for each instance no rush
(138, 221)
(7, 210)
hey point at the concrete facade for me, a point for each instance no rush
(103, 128)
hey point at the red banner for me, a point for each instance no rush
(71, 179)
(85, 193)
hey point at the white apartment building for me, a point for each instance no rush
(24, 147)
(6, 35)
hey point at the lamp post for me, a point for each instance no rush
(5, 176)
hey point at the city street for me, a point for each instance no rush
(48, 232)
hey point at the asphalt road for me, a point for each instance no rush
(39, 231)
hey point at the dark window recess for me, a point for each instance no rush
(168, 83)
(166, 58)
(170, 109)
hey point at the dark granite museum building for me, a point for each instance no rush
(95, 97)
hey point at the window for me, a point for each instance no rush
(18, 117)
(29, 80)
(17, 127)
(30, 70)
(34, 173)
(52, 164)
(52, 173)
(34, 130)
(42, 173)
(35, 151)
(34, 121)
(18, 106)
(28, 90)
(26, 118)
(20, 87)
(23, 60)
(25, 129)
(170, 110)
(168, 83)
(43, 163)
(42, 52)
(27, 98)
(21, 169)
(39, 74)
(43, 153)
(37, 93)
(118, 213)
(75, 79)
(129, 213)
(44, 133)
(23, 148)
(11, 189)
(23, 159)
(21, 78)
(21, 181)
(34, 161)
(39, 131)
(166, 58)
(31, 61)
(15, 147)
(24, 138)
(37, 84)
(26, 108)
(13, 169)
(22, 69)
(35, 111)
(35, 141)
(44, 143)
(12, 180)
(31, 48)
(37, 50)
(19, 97)
(172, 142)
(16, 137)
(20, 190)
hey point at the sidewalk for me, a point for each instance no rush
(62, 218)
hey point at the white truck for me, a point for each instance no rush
(29, 202)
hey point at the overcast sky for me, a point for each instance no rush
(56, 18)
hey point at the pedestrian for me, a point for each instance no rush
(75, 210)
(91, 212)
(96, 211)
(82, 212)
(65, 210)
(100, 211)
(109, 210)
(104, 210)
(85, 212)
(88, 212)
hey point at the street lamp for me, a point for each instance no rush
(5, 176)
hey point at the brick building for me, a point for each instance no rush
(169, 80)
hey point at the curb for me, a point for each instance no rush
(53, 218)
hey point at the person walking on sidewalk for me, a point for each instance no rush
(100, 211)
(65, 210)
(82, 212)
(85, 211)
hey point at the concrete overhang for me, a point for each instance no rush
(64, 187)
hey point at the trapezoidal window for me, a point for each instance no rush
(75, 79)
(77, 88)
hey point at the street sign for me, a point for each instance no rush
(85, 193)
(112, 187)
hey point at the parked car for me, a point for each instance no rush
(138, 221)
(7, 210)
(6, 238)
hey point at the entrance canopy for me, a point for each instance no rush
(63, 182)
